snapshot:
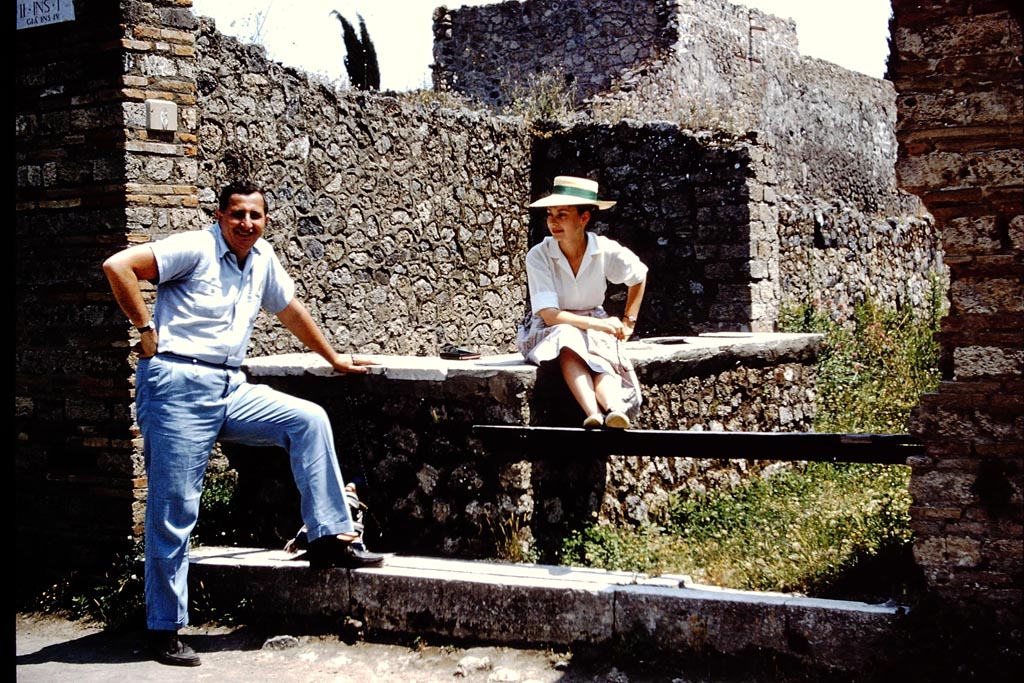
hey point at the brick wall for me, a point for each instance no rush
(957, 70)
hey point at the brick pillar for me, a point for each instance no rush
(957, 70)
(93, 175)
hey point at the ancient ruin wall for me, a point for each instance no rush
(716, 65)
(239, 113)
(957, 68)
(433, 490)
(83, 153)
(700, 63)
(404, 225)
(496, 51)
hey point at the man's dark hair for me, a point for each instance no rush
(243, 187)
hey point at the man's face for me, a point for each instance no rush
(243, 222)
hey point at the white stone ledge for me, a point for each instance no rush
(436, 369)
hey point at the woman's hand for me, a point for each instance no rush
(613, 326)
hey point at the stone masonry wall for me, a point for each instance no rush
(698, 211)
(403, 225)
(377, 199)
(957, 68)
(495, 51)
(845, 231)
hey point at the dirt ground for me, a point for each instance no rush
(50, 649)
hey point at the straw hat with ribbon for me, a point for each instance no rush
(570, 190)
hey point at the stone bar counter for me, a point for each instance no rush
(404, 436)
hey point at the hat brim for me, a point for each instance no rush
(570, 200)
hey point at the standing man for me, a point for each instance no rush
(191, 393)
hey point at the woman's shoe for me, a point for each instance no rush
(593, 421)
(616, 419)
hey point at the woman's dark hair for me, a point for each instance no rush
(243, 187)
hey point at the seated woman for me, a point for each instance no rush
(568, 275)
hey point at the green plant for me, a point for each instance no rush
(874, 367)
(509, 543)
(115, 599)
(440, 99)
(794, 531)
(646, 549)
(217, 523)
(548, 96)
(681, 107)
(360, 55)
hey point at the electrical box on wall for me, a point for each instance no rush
(161, 115)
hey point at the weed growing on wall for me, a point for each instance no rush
(511, 539)
(549, 96)
(217, 522)
(678, 106)
(875, 365)
(115, 599)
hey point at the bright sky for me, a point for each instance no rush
(304, 34)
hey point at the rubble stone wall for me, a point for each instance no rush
(844, 231)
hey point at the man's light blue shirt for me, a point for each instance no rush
(206, 305)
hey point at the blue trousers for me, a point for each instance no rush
(183, 409)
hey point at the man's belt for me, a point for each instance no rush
(197, 361)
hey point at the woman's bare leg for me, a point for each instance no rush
(608, 390)
(580, 380)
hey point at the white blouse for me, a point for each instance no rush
(552, 284)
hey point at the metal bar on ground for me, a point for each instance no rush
(528, 443)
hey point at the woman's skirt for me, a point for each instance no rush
(601, 351)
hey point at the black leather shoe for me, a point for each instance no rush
(331, 551)
(167, 648)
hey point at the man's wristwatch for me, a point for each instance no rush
(148, 327)
(631, 319)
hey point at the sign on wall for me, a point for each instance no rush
(32, 13)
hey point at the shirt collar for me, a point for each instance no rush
(222, 245)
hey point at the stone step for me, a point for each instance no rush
(545, 605)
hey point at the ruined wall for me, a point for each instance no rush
(957, 68)
(86, 166)
(834, 256)
(845, 231)
(697, 209)
(403, 224)
(368, 218)
(496, 51)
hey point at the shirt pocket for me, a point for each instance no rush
(210, 300)
(249, 303)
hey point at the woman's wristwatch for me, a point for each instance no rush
(630, 319)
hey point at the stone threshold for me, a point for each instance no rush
(546, 605)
